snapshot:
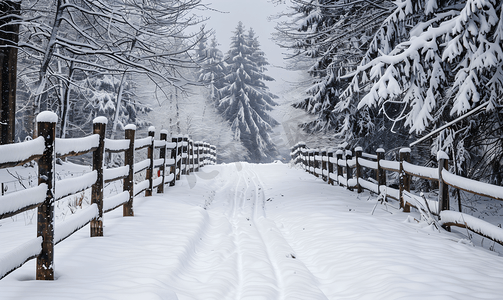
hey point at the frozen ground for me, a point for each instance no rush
(242, 231)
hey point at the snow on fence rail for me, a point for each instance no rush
(340, 167)
(180, 156)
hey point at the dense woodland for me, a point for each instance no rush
(386, 73)
(382, 74)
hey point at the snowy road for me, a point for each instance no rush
(243, 231)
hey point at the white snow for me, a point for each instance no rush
(442, 155)
(19, 255)
(21, 151)
(115, 200)
(405, 150)
(141, 186)
(74, 222)
(367, 163)
(71, 186)
(368, 185)
(388, 164)
(130, 127)
(140, 143)
(475, 224)
(159, 143)
(116, 145)
(170, 145)
(66, 146)
(47, 117)
(420, 170)
(243, 231)
(24, 198)
(142, 165)
(473, 186)
(151, 129)
(115, 172)
(100, 120)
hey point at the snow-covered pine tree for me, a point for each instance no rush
(432, 62)
(335, 35)
(213, 70)
(246, 98)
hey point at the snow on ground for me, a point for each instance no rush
(243, 231)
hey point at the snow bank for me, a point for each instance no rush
(74, 185)
(116, 145)
(425, 172)
(76, 145)
(19, 152)
(74, 222)
(17, 256)
(473, 186)
(15, 201)
(475, 224)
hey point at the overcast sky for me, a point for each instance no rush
(255, 14)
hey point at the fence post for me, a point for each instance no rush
(330, 166)
(191, 155)
(129, 161)
(174, 155)
(185, 154)
(323, 165)
(443, 188)
(162, 155)
(338, 155)
(404, 178)
(316, 162)
(213, 154)
(349, 171)
(358, 154)
(150, 155)
(46, 127)
(380, 173)
(96, 224)
(179, 159)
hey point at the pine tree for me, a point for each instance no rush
(213, 70)
(246, 97)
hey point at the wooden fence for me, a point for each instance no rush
(179, 156)
(345, 169)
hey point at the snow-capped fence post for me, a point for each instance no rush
(213, 154)
(358, 171)
(330, 167)
(191, 156)
(185, 154)
(404, 178)
(323, 164)
(338, 155)
(174, 155)
(150, 155)
(162, 155)
(129, 134)
(198, 155)
(96, 224)
(380, 173)
(46, 128)
(443, 188)
(316, 162)
(349, 170)
(179, 159)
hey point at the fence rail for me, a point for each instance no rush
(173, 156)
(342, 168)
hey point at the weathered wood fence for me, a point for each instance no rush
(343, 168)
(179, 156)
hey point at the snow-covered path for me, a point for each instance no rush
(243, 231)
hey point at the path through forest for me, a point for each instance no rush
(271, 231)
